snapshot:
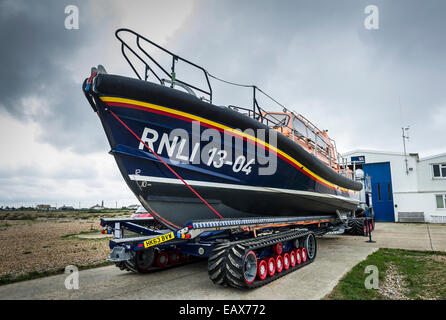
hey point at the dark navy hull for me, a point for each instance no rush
(232, 185)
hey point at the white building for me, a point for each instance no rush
(412, 192)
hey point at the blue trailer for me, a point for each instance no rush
(242, 253)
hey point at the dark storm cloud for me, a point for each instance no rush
(314, 56)
(318, 58)
(37, 60)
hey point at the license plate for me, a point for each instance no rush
(158, 240)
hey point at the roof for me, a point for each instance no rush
(373, 151)
(434, 156)
(410, 154)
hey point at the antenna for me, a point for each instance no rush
(405, 136)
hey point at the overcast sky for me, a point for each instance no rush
(316, 57)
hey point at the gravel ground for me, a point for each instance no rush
(393, 287)
(43, 245)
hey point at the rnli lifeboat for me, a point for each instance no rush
(187, 159)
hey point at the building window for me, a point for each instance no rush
(441, 201)
(439, 170)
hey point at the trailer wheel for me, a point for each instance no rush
(184, 257)
(286, 261)
(271, 266)
(279, 264)
(357, 226)
(144, 259)
(292, 259)
(162, 260)
(263, 269)
(250, 267)
(174, 257)
(296, 244)
(304, 255)
(298, 256)
(278, 247)
(310, 246)
(217, 265)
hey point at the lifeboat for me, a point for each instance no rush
(187, 159)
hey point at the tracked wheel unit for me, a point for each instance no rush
(249, 263)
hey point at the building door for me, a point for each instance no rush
(382, 194)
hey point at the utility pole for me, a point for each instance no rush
(404, 145)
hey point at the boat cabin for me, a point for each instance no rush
(304, 133)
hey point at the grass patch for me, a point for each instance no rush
(5, 226)
(7, 279)
(422, 272)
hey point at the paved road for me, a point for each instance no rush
(192, 281)
(336, 256)
(410, 236)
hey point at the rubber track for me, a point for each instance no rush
(225, 265)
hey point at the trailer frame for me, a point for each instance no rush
(198, 238)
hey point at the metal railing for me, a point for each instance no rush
(255, 112)
(127, 47)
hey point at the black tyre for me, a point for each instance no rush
(217, 265)
(144, 259)
(310, 245)
(233, 266)
(356, 226)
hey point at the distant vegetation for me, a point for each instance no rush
(58, 214)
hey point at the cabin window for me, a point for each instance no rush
(321, 143)
(441, 201)
(311, 134)
(299, 127)
(275, 120)
(439, 170)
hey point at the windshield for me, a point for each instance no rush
(275, 119)
(299, 127)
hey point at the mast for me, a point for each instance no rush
(404, 145)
